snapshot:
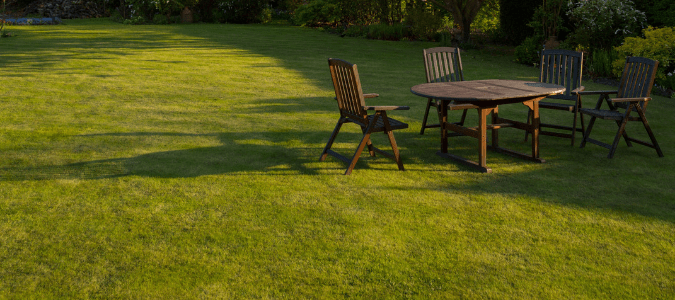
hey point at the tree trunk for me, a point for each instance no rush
(463, 12)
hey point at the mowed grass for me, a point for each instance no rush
(181, 161)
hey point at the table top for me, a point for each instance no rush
(492, 90)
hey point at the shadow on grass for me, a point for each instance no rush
(278, 153)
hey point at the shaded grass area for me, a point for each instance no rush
(182, 162)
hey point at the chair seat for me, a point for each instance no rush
(395, 124)
(603, 114)
(555, 105)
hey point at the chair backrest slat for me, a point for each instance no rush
(443, 64)
(347, 88)
(562, 67)
(637, 79)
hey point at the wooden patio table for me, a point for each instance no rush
(485, 96)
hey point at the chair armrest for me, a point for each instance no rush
(578, 90)
(594, 92)
(614, 100)
(372, 95)
(386, 107)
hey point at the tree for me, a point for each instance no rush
(463, 13)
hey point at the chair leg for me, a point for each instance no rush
(369, 143)
(364, 141)
(574, 127)
(643, 118)
(324, 154)
(461, 121)
(588, 132)
(529, 121)
(426, 116)
(357, 154)
(619, 134)
(625, 135)
(394, 148)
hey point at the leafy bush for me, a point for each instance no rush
(658, 44)
(160, 19)
(386, 32)
(135, 21)
(528, 51)
(603, 24)
(356, 31)
(239, 11)
(140, 8)
(660, 13)
(266, 15)
(424, 22)
(600, 63)
(316, 13)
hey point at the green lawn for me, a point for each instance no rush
(181, 161)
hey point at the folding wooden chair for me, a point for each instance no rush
(561, 67)
(633, 95)
(443, 64)
(353, 109)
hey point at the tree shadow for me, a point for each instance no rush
(275, 153)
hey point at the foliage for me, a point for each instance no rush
(116, 16)
(599, 64)
(140, 8)
(160, 19)
(660, 13)
(657, 44)
(317, 13)
(386, 32)
(168, 7)
(266, 15)
(487, 19)
(137, 20)
(424, 21)
(463, 13)
(513, 19)
(603, 24)
(241, 11)
(528, 51)
(356, 31)
(547, 19)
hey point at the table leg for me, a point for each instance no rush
(444, 130)
(535, 129)
(482, 139)
(495, 132)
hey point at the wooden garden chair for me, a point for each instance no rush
(443, 64)
(561, 67)
(353, 109)
(633, 95)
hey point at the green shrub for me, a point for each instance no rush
(424, 22)
(317, 13)
(658, 44)
(603, 24)
(116, 16)
(160, 19)
(386, 32)
(135, 21)
(140, 8)
(528, 51)
(241, 11)
(266, 15)
(599, 64)
(660, 13)
(356, 31)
